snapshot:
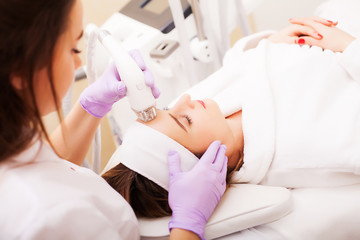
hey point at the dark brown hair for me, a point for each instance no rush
(146, 198)
(29, 31)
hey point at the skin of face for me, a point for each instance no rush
(66, 59)
(196, 124)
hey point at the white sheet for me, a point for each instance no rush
(319, 213)
(241, 207)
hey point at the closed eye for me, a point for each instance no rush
(76, 51)
(189, 120)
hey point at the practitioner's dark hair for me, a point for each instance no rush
(29, 31)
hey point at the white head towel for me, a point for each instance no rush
(145, 150)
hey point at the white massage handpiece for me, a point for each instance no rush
(139, 95)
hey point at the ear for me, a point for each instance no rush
(17, 82)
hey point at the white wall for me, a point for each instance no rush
(274, 14)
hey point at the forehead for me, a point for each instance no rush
(76, 18)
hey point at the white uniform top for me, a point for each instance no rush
(45, 197)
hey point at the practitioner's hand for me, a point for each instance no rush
(193, 195)
(98, 98)
(333, 38)
(293, 33)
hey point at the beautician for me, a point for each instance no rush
(44, 196)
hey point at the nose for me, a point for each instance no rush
(77, 61)
(184, 102)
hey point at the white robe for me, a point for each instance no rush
(301, 111)
(45, 197)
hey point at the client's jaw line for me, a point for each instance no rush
(235, 123)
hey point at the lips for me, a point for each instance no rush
(202, 103)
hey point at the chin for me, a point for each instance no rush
(233, 161)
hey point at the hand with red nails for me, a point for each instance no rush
(98, 98)
(293, 33)
(333, 38)
(315, 19)
(193, 195)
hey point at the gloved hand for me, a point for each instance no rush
(98, 98)
(193, 195)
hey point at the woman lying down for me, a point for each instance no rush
(292, 118)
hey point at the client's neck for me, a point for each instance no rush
(235, 123)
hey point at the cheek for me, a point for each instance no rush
(197, 146)
(232, 162)
(63, 71)
(203, 135)
(42, 87)
(217, 129)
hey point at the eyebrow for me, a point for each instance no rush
(177, 121)
(81, 34)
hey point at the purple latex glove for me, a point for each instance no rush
(98, 98)
(193, 195)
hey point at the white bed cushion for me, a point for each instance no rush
(242, 206)
(317, 213)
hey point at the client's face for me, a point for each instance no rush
(194, 124)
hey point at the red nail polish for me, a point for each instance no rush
(331, 22)
(301, 41)
(321, 36)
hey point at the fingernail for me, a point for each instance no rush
(301, 41)
(330, 21)
(321, 36)
(217, 142)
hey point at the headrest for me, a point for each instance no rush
(242, 206)
(144, 150)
